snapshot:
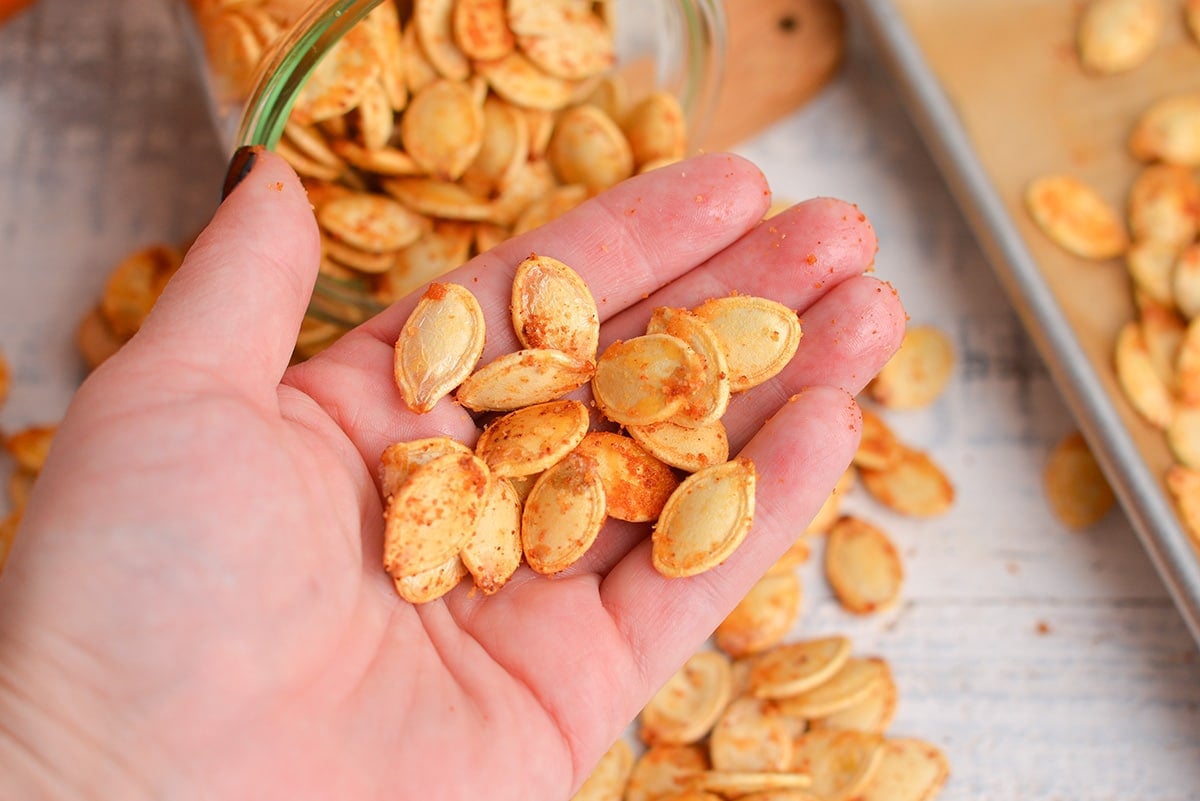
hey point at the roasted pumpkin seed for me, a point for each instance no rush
(439, 345)
(523, 378)
(552, 307)
(636, 484)
(705, 519)
(759, 336)
(533, 438)
(686, 707)
(563, 514)
(433, 513)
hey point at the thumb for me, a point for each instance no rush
(236, 303)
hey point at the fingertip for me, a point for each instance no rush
(739, 188)
(242, 290)
(846, 235)
(830, 422)
(258, 176)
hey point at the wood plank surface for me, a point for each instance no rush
(1049, 664)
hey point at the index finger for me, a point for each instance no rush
(625, 243)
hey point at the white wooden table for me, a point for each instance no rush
(1049, 664)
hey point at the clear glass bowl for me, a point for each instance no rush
(677, 46)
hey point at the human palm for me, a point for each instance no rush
(196, 608)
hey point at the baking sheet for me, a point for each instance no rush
(997, 92)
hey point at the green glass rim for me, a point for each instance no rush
(295, 57)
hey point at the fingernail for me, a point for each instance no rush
(239, 167)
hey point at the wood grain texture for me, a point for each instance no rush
(1050, 665)
(781, 54)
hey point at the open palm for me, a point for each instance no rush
(195, 606)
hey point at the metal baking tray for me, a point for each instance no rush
(997, 94)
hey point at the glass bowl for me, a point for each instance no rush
(259, 59)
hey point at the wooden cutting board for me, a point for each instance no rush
(781, 53)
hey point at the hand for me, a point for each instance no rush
(195, 605)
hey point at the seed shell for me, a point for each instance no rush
(759, 336)
(656, 129)
(95, 339)
(879, 448)
(437, 198)
(1079, 494)
(709, 401)
(1187, 364)
(914, 485)
(523, 378)
(1169, 131)
(762, 618)
(515, 78)
(589, 149)
(399, 459)
(552, 307)
(689, 449)
(705, 519)
(503, 151)
(493, 552)
(663, 770)
(855, 680)
(1185, 281)
(1150, 263)
(572, 46)
(533, 438)
(1164, 205)
(1183, 435)
(555, 203)
(481, 29)
(646, 379)
(337, 83)
(375, 116)
(750, 737)
(442, 129)
(1184, 486)
(429, 585)
(686, 707)
(840, 762)
(796, 554)
(829, 512)
(796, 667)
(908, 770)
(133, 288)
(370, 222)
(30, 446)
(607, 780)
(917, 373)
(433, 20)
(1118, 35)
(872, 713)
(1140, 381)
(433, 513)
(636, 484)
(863, 566)
(439, 345)
(735, 784)
(563, 514)
(1076, 217)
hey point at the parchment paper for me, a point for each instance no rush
(1010, 69)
